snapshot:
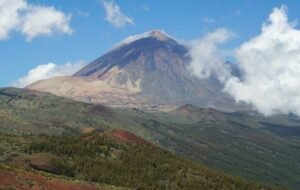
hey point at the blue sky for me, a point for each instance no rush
(92, 35)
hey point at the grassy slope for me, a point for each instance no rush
(33, 112)
(117, 159)
(239, 145)
(16, 173)
(236, 143)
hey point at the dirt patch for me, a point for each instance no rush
(6, 179)
(124, 136)
(34, 181)
(86, 130)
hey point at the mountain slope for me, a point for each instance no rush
(108, 158)
(29, 111)
(242, 144)
(14, 179)
(151, 70)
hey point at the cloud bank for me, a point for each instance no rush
(31, 20)
(207, 58)
(47, 71)
(270, 63)
(114, 15)
(271, 66)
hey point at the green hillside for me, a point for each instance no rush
(241, 144)
(115, 158)
(33, 112)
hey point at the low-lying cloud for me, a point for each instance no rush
(270, 63)
(31, 20)
(271, 66)
(47, 71)
(207, 58)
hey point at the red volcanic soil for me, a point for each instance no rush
(124, 136)
(33, 181)
(6, 179)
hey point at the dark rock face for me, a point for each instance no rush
(161, 66)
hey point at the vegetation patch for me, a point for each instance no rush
(98, 157)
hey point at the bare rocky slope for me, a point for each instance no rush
(149, 71)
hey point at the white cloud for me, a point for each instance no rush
(44, 21)
(269, 63)
(208, 20)
(114, 14)
(47, 71)
(31, 20)
(271, 66)
(10, 16)
(207, 58)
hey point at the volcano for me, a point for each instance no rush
(146, 71)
